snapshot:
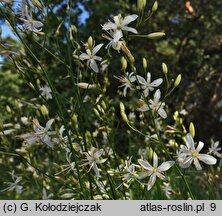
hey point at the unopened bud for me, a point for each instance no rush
(44, 110)
(164, 68)
(96, 112)
(156, 35)
(155, 7)
(122, 112)
(192, 129)
(124, 63)
(86, 85)
(144, 63)
(141, 4)
(8, 109)
(150, 153)
(128, 53)
(90, 42)
(31, 86)
(103, 104)
(36, 3)
(178, 80)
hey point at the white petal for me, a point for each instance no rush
(49, 124)
(146, 92)
(151, 181)
(97, 58)
(141, 80)
(96, 170)
(116, 20)
(98, 153)
(200, 146)
(207, 159)
(165, 166)
(190, 142)
(156, 82)
(129, 29)
(148, 77)
(162, 113)
(108, 26)
(96, 49)
(129, 19)
(37, 24)
(94, 65)
(197, 164)
(155, 160)
(145, 165)
(157, 95)
(162, 177)
(84, 56)
(143, 175)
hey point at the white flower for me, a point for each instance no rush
(26, 16)
(115, 40)
(214, 149)
(121, 24)
(147, 85)
(167, 189)
(15, 184)
(126, 81)
(91, 57)
(46, 92)
(155, 170)
(156, 105)
(92, 158)
(39, 134)
(190, 154)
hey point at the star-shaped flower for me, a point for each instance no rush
(91, 57)
(191, 154)
(155, 170)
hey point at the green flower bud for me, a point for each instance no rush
(141, 4)
(122, 112)
(124, 63)
(155, 7)
(192, 129)
(144, 63)
(156, 35)
(178, 80)
(90, 42)
(164, 68)
(44, 110)
(36, 3)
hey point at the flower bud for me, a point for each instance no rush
(144, 63)
(44, 110)
(8, 109)
(86, 85)
(164, 68)
(141, 4)
(103, 104)
(90, 42)
(155, 7)
(128, 53)
(96, 112)
(192, 129)
(178, 80)
(124, 63)
(156, 35)
(122, 112)
(36, 3)
(31, 86)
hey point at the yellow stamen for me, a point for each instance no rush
(195, 154)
